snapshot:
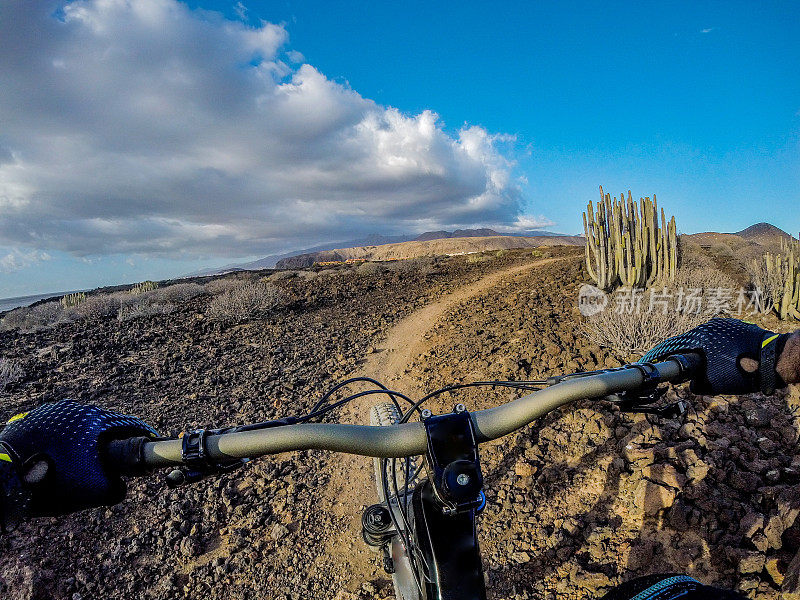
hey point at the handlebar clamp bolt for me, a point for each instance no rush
(426, 413)
(460, 408)
(463, 479)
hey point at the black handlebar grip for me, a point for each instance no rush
(126, 456)
(691, 364)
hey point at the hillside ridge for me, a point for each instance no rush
(435, 247)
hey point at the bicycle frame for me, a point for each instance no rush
(449, 548)
(443, 511)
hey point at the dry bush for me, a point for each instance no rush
(478, 257)
(126, 299)
(46, 314)
(175, 294)
(307, 275)
(370, 268)
(707, 278)
(222, 285)
(770, 282)
(404, 265)
(143, 309)
(738, 252)
(95, 308)
(693, 257)
(281, 275)
(33, 318)
(10, 372)
(634, 330)
(422, 265)
(14, 319)
(247, 301)
(425, 265)
(636, 333)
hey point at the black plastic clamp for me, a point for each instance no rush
(194, 452)
(196, 461)
(650, 373)
(453, 461)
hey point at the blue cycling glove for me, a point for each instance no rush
(722, 343)
(51, 459)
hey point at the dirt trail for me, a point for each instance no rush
(351, 484)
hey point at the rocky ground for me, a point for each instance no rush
(581, 500)
(589, 497)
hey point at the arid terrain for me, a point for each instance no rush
(577, 502)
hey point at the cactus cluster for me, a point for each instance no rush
(71, 300)
(141, 288)
(627, 244)
(778, 277)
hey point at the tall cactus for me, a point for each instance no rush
(141, 288)
(778, 277)
(627, 243)
(71, 300)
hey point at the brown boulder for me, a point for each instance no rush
(652, 497)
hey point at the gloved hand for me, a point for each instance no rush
(51, 459)
(723, 343)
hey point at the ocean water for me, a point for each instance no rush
(11, 303)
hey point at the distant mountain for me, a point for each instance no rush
(269, 262)
(458, 233)
(761, 232)
(465, 244)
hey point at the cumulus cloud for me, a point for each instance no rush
(525, 223)
(16, 260)
(142, 126)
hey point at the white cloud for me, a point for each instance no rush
(16, 259)
(707, 30)
(141, 126)
(295, 56)
(525, 223)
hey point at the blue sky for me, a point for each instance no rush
(147, 139)
(696, 102)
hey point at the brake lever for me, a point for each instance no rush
(645, 404)
(644, 399)
(183, 475)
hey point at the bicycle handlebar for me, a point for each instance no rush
(406, 439)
